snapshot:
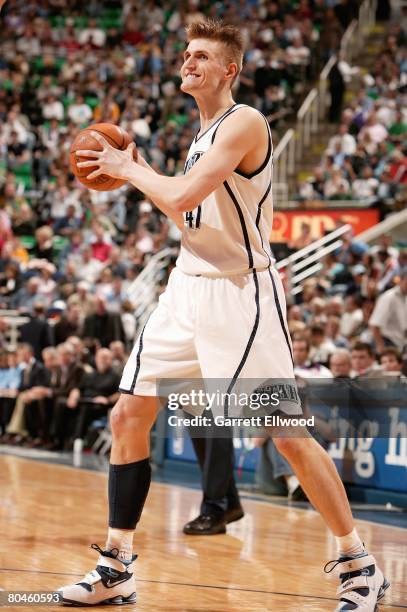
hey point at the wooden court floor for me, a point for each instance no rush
(271, 560)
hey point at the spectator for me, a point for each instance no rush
(340, 363)
(79, 112)
(389, 319)
(337, 186)
(366, 187)
(10, 382)
(10, 282)
(374, 130)
(346, 11)
(53, 109)
(27, 296)
(37, 332)
(345, 140)
(352, 317)
(70, 324)
(119, 356)
(100, 246)
(83, 298)
(333, 334)
(44, 248)
(331, 33)
(97, 392)
(304, 238)
(363, 360)
(33, 375)
(303, 367)
(337, 90)
(103, 325)
(297, 53)
(38, 406)
(92, 35)
(391, 361)
(321, 347)
(71, 375)
(69, 223)
(87, 267)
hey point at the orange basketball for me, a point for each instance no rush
(116, 137)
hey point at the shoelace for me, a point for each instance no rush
(113, 553)
(347, 575)
(335, 561)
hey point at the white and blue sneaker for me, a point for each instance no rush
(112, 582)
(362, 583)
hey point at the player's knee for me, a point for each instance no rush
(131, 412)
(287, 447)
(117, 418)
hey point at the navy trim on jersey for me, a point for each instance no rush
(223, 119)
(213, 124)
(248, 345)
(280, 314)
(242, 223)
(258, 219)
(267, 159)
(138, 362)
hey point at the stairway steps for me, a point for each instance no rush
(365, 60)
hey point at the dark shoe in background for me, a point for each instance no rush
(298, 495)
(206, 524)
(234, 514)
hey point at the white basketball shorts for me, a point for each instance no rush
(229, 328)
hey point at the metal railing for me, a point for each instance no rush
(307, 261)
(307, 122)
(298, 266)
(349, 42)
(323, 95)
(313, 109)
(284, 158)
(393, 221)
(14, 321)
(143, 291)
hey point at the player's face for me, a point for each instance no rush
(204, 67)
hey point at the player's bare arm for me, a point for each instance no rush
(168, 212)
(241, 142)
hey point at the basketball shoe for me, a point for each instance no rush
(112, 582)
(362, 583)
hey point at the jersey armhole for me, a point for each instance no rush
(269, 148)
(266, 160)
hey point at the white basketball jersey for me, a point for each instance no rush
(228, 233)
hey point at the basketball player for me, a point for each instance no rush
(221, 316)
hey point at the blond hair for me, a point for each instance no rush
(230, 36)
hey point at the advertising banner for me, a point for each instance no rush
(287, 223)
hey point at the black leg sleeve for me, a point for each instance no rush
(128, 489)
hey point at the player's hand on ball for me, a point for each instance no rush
(110, 161)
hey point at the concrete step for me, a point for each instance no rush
(319, 141)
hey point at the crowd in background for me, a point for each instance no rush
(50, 401)
(366, 160)
(350, 321)
(63, 65)
(69, 256)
